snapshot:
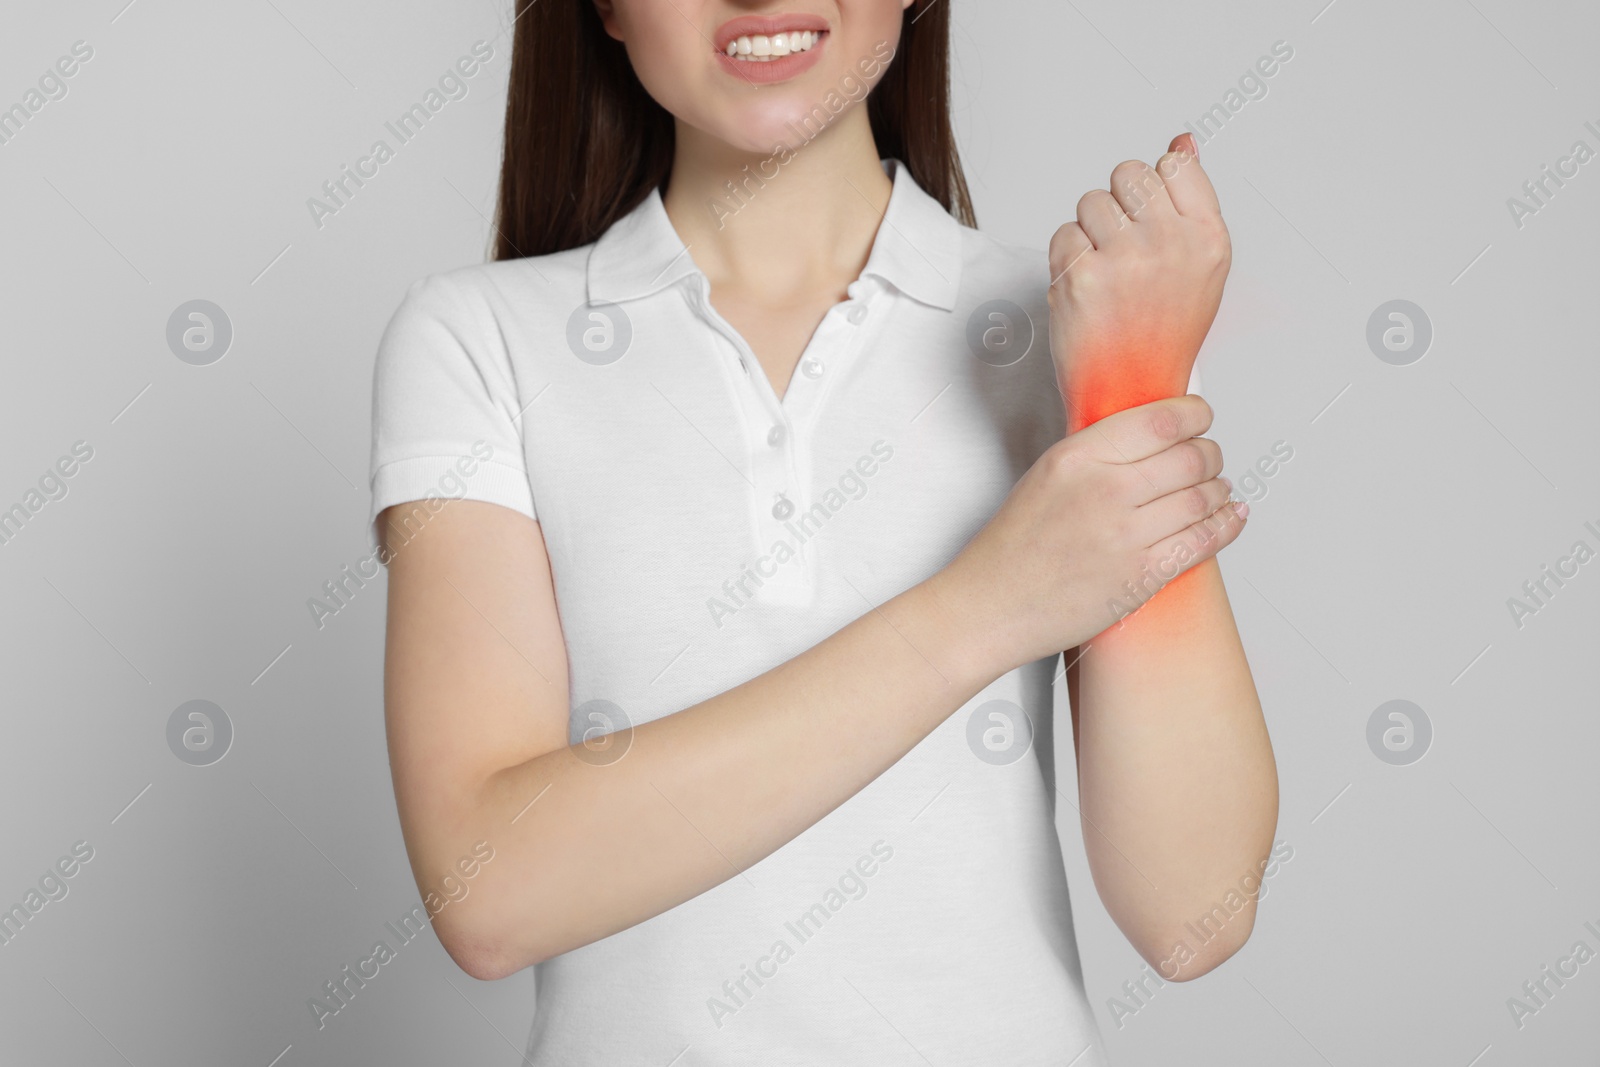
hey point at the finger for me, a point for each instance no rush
(1068, 245)
(1100, 216)
(1140, 190)
(1186, 182)
(1171, 556)
(1138, 433)
(1185, 464)
(1175, 512)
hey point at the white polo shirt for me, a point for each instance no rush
(701, 532)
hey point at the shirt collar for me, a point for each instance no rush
(917, 249)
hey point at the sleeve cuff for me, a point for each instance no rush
(404, 480)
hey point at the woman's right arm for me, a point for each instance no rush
(477, 701)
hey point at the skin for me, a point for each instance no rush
(1137, 280)
(828, 199)
(1170, 743)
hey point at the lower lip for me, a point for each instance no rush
(774, 70)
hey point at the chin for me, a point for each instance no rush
(761, 127)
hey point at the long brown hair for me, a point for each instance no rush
(584, 142)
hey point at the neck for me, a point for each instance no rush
(791, 217)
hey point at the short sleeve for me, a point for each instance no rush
(445, 419)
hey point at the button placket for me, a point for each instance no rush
(773, 494)
(769, 475)
(776, 432)
(776, 493)
(838, 341)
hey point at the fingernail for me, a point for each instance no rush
(1242, 509)
(1194, 145)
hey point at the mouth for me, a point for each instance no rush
(764, 48)
(754, 39)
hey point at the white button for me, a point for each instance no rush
(783, 508)
(857, 314)
(775, 436)
(811, 368)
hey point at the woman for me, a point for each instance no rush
(736, 657)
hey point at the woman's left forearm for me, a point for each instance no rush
(1178, 789)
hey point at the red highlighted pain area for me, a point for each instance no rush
(1111, 380)
(1161, 602)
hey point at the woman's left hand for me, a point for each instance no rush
(1135, 285)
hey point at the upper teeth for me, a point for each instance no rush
(763, 49)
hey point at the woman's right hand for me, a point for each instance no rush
(1134, 498)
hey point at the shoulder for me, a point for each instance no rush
(481, 293)
(1004, 285)
(992, 268)
(478, 320)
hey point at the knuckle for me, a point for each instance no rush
(1215, 529)
(1195, 461)
(1214, 245)
(1066, 245)
(1196, 503)
(1091, 199)
(1088, 277)
(1061, 460)
(1128, 171)
(1164, 423)
(1218, 254)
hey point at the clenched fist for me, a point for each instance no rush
(1135, 284)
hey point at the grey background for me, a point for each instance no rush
(1377, 567)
